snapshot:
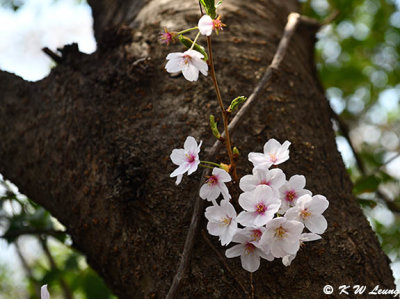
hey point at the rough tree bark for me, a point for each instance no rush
(91, 143)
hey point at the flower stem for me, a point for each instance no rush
(195, 40)
(223, 111)
(187, 30)
(211, 163)
(206, 166)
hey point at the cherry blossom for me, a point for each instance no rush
(189, 62)
(274, 154)
(291, 191)
(215, 185)
(260, 206)
(222, 221)
(248, 250)
(308, 210)
(305, 237)
(44, 293)
(206, 25)
(282, 236)
(274, 178)
(187, 158)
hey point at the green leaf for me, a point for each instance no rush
(187, 42)
(209, 6)
(366, 184)
(235, 103)
(366, 202)
(214, 127)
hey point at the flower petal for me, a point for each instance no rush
(44, 293)
(250, 262)
(178, 156)
(235, 251)
(190, 72)
(316, 224)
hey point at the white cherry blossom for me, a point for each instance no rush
(187, 158)
(260, 206)
(282, 236)
(308, 210)
(215, 185)
(189, 62)
(291, 191)
(274, 178)
(274, 154)
(247, 250)
(222, 221)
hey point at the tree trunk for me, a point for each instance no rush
(91, 143)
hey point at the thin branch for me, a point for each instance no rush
(57, 58)
(27, 269)
(293, 21)
(223, 112)
(344, 129)
(223, 262)
(53, 266)
(251, 285)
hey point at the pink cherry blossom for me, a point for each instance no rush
(260, 206)
(308, 210)
(282, 236)
(187, 158)
(274, 154)
(291, 191)
(206, 25)
(248, 250)
(222, 221)
(215, 185)
(189, 62)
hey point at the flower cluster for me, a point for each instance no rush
(278, 214)
(192, 61)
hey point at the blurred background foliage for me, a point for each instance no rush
(358, 62)
(44, 251)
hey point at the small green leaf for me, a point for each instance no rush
(235, 103)
(366, 184)
(214, 127)
(366, 202)
(209, 6)
(187, 42)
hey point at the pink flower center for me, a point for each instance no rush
(186, 59)
(249, 248)
(217, 24)
(305, 213)
(264, 182)
(261, 208)
(290, 196)
(190, 158)
(256, 234)
(273, 158)
(212, 180)
(280, 232)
